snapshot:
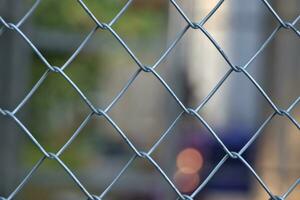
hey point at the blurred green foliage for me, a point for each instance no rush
(56, 110)
(68, 15)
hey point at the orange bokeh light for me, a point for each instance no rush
(189, 161)
(186, 182)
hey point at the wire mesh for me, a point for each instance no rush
(141, 68)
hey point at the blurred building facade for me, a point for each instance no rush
(279, 162)
(240, 28)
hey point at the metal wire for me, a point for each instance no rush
(193, 112)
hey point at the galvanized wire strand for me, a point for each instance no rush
(290, 190)
(151, 70)
(27, 178)
(26, 16)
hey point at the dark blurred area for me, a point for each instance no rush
(189, 153)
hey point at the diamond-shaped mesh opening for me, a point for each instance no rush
(103, 163)
(145, 123)
(191, 153)
(98, 65)
(243, 112)
(58, 126)
(63, 33)
(200, 77)
(284, 95)
(148, 21)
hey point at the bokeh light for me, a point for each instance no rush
(189, 161)
(186, 182)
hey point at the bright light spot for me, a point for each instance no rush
(189, 161)
(186, 182)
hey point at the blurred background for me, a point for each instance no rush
(192, 69)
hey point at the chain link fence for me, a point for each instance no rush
(141, 68)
